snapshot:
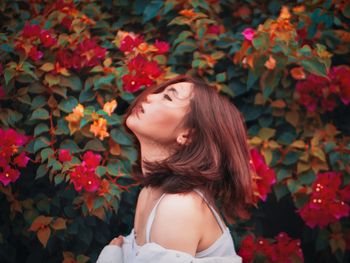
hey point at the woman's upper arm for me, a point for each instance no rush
(177, 224)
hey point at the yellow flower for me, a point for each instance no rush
(109, 107)
(99, 128)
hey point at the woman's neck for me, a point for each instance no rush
(152, 152)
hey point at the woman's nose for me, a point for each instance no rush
(151, 97)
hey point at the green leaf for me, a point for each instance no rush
(62, 127)
(113, 167)
(38, 102)
(293, 186)
(73, 82)
(291, 158)
(40, 114)
(130, 153)
(286, 138)
(151, 10)
(60, 91)
(86, 95)
(185, 47)
(307, 178)
(221, 77)
(52, 79)
(9, 74)
(56, 165)
(314, 66)
(280, 190)
(101, 170)
(46, 153)
(40, 143)
(98, 202)
(70, 145)
(41, 171)
(95, 145)
(283, 173)
(103, 81)
(120, 137)
(68, 104)
(252, 78)
(266, 133)
(182, 36)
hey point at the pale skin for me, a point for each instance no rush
(182, 222)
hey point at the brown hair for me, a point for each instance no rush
(216, 160)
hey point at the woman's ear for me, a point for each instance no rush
(183, 138)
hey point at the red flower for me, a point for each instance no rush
(327, 202)
(2, 92)
(30, 30)
(67, 23)
(316, 91)
(21, 160)
(213, 29)
(264, 178)
(283, 250)
(92, 182)
(131, 83)
(143, 67)
(35, 54)
(247, 249)
(91, 160)
(64, 156)
(9, 175)
(46, 39)
(129, 43)
(162, 46)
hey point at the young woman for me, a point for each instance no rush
(194, 160)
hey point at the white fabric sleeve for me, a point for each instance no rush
(110, 254)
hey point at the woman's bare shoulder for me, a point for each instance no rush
(178, 222)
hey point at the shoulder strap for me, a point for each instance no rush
(151, 219)
(217, 217)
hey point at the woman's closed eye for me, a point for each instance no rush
(166, 96)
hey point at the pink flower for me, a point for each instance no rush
(162, 46)
(91, 160)
(9, 175)
(64, 156)
(248, 33)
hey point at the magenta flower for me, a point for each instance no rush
(248, 33)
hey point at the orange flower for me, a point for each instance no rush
(75, 118)
(298, 73)
(109, 107)
(284, 13)
(270, 63)
(99, 128)
(188, 13)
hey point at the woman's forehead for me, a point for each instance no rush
(182, 90)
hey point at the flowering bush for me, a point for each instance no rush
(69, 69)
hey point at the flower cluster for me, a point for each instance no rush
(10, 155)
(318, 92)
(99, 125)
(86, 54)
(327, 203)
(283, 250)
(31, 37)
(142, 69)
(83, 176)
(263, 178)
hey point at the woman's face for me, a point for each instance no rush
(160, 117)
